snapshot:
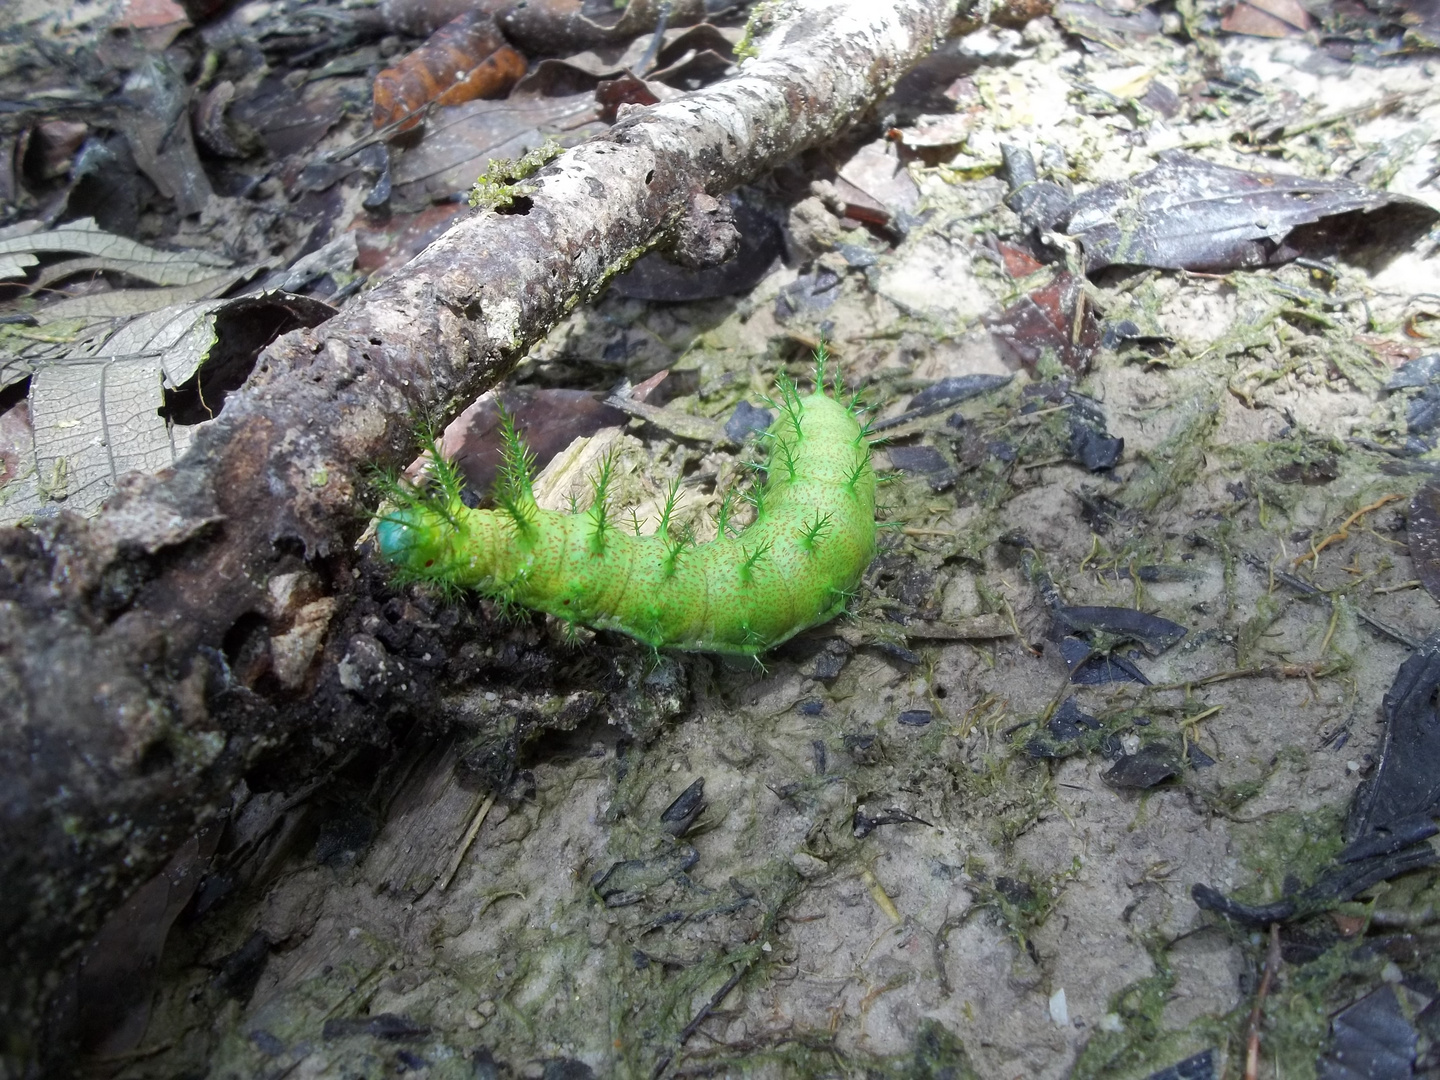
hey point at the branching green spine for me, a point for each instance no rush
(794, 567)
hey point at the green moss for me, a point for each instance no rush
(938, 1055)
(763, 16)
(1025, 899)
(1267, 609)
(1174, 465)
(499, 185)
(1285, 848)
(1135, 1042)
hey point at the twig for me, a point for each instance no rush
(1343, 533)
(470, 834)
(700, 1017)
(1252, 1042)
(1302, 586)
(648, 60)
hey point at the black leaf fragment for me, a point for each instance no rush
(1152, 764)
(1337, 885)
(808, 294)
(943, 395)
(1423, 414)
(924, 460)
(1422, 371)
(1199, 1066)
(1093, 447)
(627, 882)
(1066, 725)
(1041, 204)
(1406, 787)
(681, 814)
(1153, 633)
(1373, 1040)
(1118, 332)
(862, 824)
(747, 419)
(1393, 811)
(1423, 532)
(1090, 668)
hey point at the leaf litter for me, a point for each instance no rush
(1204, 472)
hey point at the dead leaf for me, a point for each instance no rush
(460, 141)
(654, 277)
(612, 94)
(1267, 18)
(286, 121)
(934, 131)
(421, 18)
(128, 303)
(1107, 27)
(119, 971)
(877, 171)
(1124, 82)
(56, 142)
(1190, 214)
(151, 14)
(698, 54)
(16, 437)
(1056, 318)
(383, 247)
(561, 27)
(157, 125)
(118, 401)
(84, 237)
(1017, 261)
(466, 59)
(549, 420)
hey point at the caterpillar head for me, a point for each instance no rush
(416, 540)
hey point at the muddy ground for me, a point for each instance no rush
(893, 873)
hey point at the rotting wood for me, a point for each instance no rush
(124, 726)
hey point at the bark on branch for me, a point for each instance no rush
(125, 721)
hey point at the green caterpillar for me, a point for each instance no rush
(793, 568)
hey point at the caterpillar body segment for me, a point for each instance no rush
(793, 568)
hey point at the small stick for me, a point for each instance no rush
(1252, 1042)
(1343, 533)
(700, 1017)
(470, 835)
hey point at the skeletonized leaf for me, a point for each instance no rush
(101, 410)
(126, 303)
(87, 238)
(13, 266)
(180, 269)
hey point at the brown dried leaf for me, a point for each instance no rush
(1055, 318)
(876, 171)
(465, 60)
(421, 18)
(286, 121)
(157, 127)
(1267, 18)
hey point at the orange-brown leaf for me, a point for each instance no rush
(465, 59)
